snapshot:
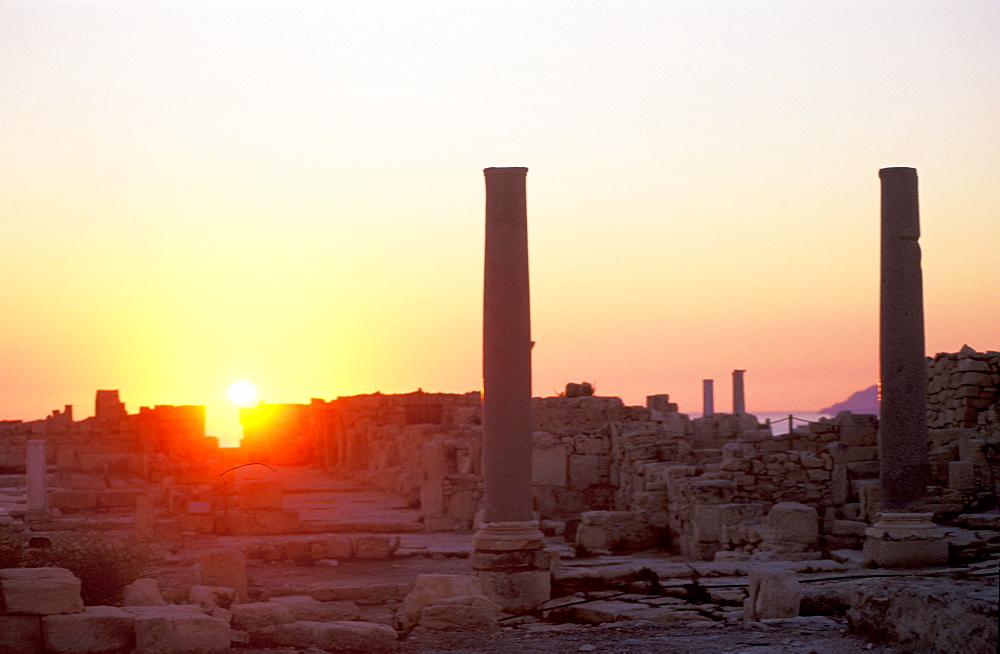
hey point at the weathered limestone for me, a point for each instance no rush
(98, 629)
(775, 592)
(790, 527)
(708, 397)
(905, 540)
(20, 634)
(509, 558)
(909, 537)
(902, 368)
(341, 636)
(441, 601)
(210, 597)
(166, 629)
(227, 568)
(143, 592)
(38, 495)
(739, 401)
(304, 607)
(39, 591)
(145, 517)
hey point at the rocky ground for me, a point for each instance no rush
(813, 634)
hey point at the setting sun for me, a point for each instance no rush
(242, 392)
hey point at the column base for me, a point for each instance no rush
(512, 564)
(37, 515)
(508, 536)
(905, 540)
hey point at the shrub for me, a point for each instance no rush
(11, 548)
(104, 563)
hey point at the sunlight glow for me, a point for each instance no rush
(242, 392)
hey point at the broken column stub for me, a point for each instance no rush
(509, 558)
(739, 402)
(903, 536)
(36, 473)
(708, 397)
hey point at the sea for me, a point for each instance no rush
(779, 419)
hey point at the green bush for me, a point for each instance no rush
(11, 548)
(105, 563)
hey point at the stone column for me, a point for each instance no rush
(903, 536)
(509, 557)
(902, 369)
(38, 488)
(739, 404)
(708, 397)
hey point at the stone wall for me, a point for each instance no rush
(960, 387)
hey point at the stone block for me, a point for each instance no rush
(374, 546)
(471, 612)
(860, 453)
(433, 588)
(588, 470)
(548, 465)
(517, 591)
(168, 629)
(790, 527)
(336, 547)
(304, 607)
(104, 629)
(962, 476)
(847, 527)
(20, 634)
(260, 617)
(593, 538)
(711, 491)
(346, 636)
(261, 495)
(39, 591)
(364, 595)
(210, 597)
(775, 592)
(591, 445)
(863, 469)
(273, 521)
(227, 568)
(143, 592)
(905, 540)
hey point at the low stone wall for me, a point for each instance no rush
(960, 386)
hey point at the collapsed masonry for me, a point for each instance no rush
(630, 477)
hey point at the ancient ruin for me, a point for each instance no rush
(397, 522)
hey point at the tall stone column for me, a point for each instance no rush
(509, 557)
(739, 403)
(903, 536)
(902, 368)
(708, 397)
(37, 480)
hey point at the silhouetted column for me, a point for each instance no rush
(902, 368)
(509, 558)
(739, 404)
(506, 350)
(903, 536)
(37, 480)
(708, 397)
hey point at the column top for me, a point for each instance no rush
(505, 171)
(897, 171)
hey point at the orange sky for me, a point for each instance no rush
(194, 194)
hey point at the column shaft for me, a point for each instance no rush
(902, 367)
(708, 396)
(739, 403)
(507, 430)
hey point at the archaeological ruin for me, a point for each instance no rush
(382, 522)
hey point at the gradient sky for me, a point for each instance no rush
(193, 193)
